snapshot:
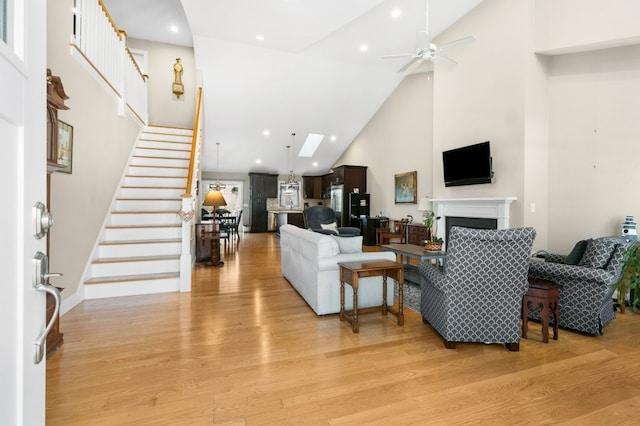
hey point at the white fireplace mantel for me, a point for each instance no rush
(490, 208)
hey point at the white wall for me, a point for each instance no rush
(563, 129)
(397, 139)
(165, 108)
(102, 142)
(594, 154)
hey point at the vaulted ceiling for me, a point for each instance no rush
(309, 72)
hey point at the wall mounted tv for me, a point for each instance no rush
(468, 165)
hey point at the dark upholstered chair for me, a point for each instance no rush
(323, 219)
(585, 277)
(478, 296)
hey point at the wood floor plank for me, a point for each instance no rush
(243, 348)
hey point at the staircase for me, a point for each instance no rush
(139, 248)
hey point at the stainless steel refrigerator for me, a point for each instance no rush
(337, 203)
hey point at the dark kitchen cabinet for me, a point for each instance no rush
(261, 187)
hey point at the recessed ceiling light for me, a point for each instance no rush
(333, 138)
(396, 13)
(364, 47)
(174, 29)
(260, 37)
(258, 161)
(266, 132)
(315, 164)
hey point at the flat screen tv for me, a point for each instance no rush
(468, 165)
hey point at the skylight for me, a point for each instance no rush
(310, 145)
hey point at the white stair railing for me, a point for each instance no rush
(103, 45)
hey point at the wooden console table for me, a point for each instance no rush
(351, 272)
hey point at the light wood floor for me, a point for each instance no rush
(244, 348)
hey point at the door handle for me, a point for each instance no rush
(40, 280)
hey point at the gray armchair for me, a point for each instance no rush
(585, 277)
(317, 216)
(478, 296)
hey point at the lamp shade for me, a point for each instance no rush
(214, 198)
(424, 204)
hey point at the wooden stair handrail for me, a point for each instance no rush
(194, 141)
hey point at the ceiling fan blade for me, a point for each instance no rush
(443, 60)
(457, 43)
(401, 55)
(409, 64)
(413, 66)
(426, 25)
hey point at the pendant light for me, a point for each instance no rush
(292, 184)
(217, 186)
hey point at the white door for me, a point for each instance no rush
(22, 183)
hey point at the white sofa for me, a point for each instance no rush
(309, 261)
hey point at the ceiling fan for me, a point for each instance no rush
(430, 52)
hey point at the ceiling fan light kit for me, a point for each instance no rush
(430, 52)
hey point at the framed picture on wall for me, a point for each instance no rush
(65, 146)
(406, 187)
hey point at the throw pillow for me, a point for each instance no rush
(576, 254)
(597, 253)
(349, 245)
(330, 227)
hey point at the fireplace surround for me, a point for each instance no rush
(496, 208)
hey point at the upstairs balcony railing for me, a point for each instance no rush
(97, 38)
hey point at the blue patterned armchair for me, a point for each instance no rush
(478, 296)
(585, 277)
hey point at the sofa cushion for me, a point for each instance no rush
(597, 253)
(349, 244)
(330, 227)
(576, 254)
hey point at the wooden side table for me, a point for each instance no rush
(543, 294)
(351, 272)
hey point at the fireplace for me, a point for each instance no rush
(469, 222)
(482, 213)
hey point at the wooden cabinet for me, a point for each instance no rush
(326, 185)
(261, 187)
(416, 232)
(352, 177)
(312, 186)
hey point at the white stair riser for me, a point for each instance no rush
(156, 181)
(155, 233)
(157, 171)
(106, 251)
(138, 192)
(157, 133)
(141, 219)
(117, 269)
(130, 288)
(144, 206)
(148, 152)
(169, 145)
(159, 162)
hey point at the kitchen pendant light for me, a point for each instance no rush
(292, 184)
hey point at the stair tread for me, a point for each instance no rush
(143, 212)
(163, 149)
(156, 176)
(168, 225)
(135, 259)
(124, 242)
(139, 277)
(152, 187)
(159, 167)
(147, 199)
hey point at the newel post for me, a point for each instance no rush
(187, 214)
